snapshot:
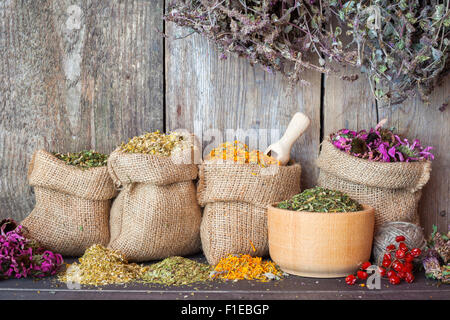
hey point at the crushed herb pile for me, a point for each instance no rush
(240, 153)
(83, 159)
(319, 199)
(101, 266)
(380, 144)
(246, 267)
(21, 257)
(156, 143)
(177, 271)
(402, 46)
(436, 261)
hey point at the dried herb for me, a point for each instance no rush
(83, 159)
(380, 144)
(403, 46)
(21, 257)
(101, 266)
(156, 143)
(177, 271)
(436, 261)
(321, 200)
(240, 153)
(275, 34)
(246, 267)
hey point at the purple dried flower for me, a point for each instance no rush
(380, 144)
(21, 257)
(432, 265)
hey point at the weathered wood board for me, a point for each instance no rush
(75, 75)
(214, 98)
(432, 127)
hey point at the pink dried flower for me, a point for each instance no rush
(21, 257)
(380, 144)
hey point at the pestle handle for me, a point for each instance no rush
(298, 125)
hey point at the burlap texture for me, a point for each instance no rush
(235, 197)
(393, 189)
(72, 205)
(156, 214)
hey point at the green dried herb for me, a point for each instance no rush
(83, 159)
(177, 271)
(321, 200)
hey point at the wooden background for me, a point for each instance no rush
(77, 74)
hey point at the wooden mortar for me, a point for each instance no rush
(320, 245)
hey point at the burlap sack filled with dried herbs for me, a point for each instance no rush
(72, 204)
(392, 188)
(156, 214)
(235, 197)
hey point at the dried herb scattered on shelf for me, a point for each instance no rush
(176, 271)
(319, 199)
(246, 267)
(240, 153)
(83, 159)
(156, 143)
(380, 144)
(101, 266)
(21, 257)
(436, 261)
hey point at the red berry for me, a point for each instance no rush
(386, 263)
(399, 254)
(365, 265)
(362, 275)
(401, 274)
(399, 238)
(382, 271)
(391, 273)
(409, 277)
(409, 257)
(350, 280)
(394, 280)
(409, 266)
(397, 265)
(390, 247)
(402, 246)
(416, 252)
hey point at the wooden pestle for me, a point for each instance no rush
(281, 150)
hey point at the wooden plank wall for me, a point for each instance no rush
(89, 74)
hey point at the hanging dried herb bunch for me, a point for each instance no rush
(276, 34)
(403, 46)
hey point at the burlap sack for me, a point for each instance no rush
(72, 205)
(156, 214)
(392, 188)
(235, 197)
